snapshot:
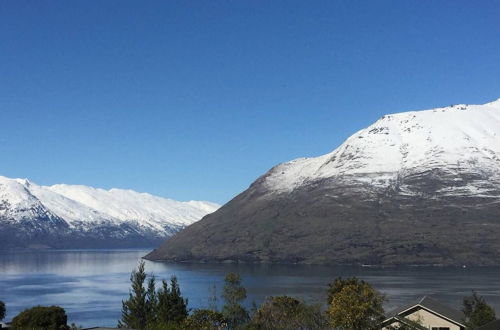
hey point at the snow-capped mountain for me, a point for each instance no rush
(459, 138)
(74, 215)
(414, 187)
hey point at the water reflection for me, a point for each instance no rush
(90, 284)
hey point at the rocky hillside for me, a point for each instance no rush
(66, 216)
(419, 187)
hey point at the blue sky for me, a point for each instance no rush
(196, 99)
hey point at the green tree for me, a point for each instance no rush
(151, 302)
(135, 308)
(354, 304)
(233, 294)
(41, 318)
(284, 313)
(477, 312)
(337, 285)
(206, 319)
(172, 307)
(2, 310)
(147, 308)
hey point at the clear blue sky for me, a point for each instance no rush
(196, 99)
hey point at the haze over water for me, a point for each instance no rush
(90, 284)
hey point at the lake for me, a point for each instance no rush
(90, 284)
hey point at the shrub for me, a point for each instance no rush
(206, 319)
(41, 318)
(282, 313)
(477, 312)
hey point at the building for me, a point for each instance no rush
(426, 313)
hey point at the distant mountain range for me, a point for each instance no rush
(419, 187)
(73, 216)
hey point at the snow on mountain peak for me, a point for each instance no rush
(128, 204)
(15, 192)
(83, 206)
(460, 136)
(494, 104)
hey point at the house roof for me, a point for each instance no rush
(495, 325)
(433, 306)
(405, 321)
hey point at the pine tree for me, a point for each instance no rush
(2, 310)
(172, 307)
(151, 302)
(178, 303)
(233, 294)
(135, 310)
(148, 308)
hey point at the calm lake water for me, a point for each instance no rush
(90, 284)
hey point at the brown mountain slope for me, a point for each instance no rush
(413, 188)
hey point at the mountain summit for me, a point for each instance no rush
(419, 187)
(70, 216)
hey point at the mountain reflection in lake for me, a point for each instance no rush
(90, 284)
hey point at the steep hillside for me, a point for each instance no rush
(419, 187)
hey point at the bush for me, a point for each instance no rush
(477, 312)
(41, 318)
(205, 319)
(282, 313)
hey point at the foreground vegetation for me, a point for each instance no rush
(352, 304)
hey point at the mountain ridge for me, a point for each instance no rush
(404, 190)
(62, 212)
